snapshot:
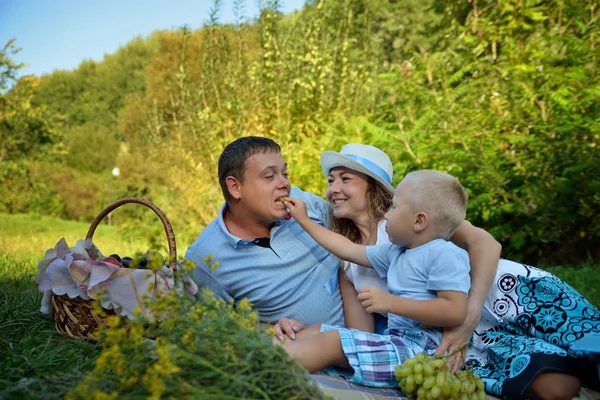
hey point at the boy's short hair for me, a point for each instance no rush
(232, 161)
(441, 196)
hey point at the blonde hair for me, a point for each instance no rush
(379, 201)
(441, 196)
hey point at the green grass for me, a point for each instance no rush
(34, 357)
(30, 347)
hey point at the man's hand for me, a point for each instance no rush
(297, 208)
(286, 326)
(375, 300)
(453, 338)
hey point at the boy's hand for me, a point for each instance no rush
(375, 300)
(297, 208)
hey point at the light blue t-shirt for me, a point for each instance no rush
(419, 273)
(295, 278)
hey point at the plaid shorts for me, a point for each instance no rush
(374, 357)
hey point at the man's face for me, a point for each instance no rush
(265, 181)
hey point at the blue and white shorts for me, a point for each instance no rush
(374, 357)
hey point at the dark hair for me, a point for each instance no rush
(232, 161)
(379, 200)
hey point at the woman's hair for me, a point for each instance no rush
(379, 200)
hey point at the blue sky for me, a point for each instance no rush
(59, 34)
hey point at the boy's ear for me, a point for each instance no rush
(421, 221)
(234, 187)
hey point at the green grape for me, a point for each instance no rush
(402, 372)
(435, 392)
(439, 363)
(419, 378)
(456, 385)
(480, 384)
(409, 379)
(481, 395)
(410, 362)
(465, 387)
(420, 357)
(410, 388)
(428, 369)
(429, 382)
(441, 379)
(418, 368)
(422, 392)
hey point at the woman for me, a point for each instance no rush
(528, 311)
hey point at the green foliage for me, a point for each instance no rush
(25, 130)
(501, 93)
(216, 348)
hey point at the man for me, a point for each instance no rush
(264, 255)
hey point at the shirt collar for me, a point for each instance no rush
(232, 239)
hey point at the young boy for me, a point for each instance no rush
(428, 281)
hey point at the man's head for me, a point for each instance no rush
(427, 200)
(253, 174)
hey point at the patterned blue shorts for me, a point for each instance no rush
(374, 357)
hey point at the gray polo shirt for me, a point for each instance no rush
(295, 277)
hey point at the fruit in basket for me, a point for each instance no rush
(111, 260)
(126, 261)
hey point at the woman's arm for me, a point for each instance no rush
(355, 315)
(484, 255)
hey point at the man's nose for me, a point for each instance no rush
(284, 182)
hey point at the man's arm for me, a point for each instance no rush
(484, 255)
(447, 310)
(336, 244)
(203, 276)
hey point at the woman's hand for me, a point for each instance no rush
(289, 327)
(453, 338)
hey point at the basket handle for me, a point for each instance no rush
(166, 224)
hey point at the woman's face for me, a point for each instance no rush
(346, 192)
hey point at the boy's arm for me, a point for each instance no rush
(447, 310)
(336, 244)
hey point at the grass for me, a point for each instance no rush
(30, 347)
(31, 350)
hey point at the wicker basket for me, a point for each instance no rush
(77, 317)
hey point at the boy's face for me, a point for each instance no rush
(265, 181)
(401, 217)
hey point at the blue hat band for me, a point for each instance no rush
(371, 166)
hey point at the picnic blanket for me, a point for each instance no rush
(341, 389)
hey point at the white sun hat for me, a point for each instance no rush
(362, 158)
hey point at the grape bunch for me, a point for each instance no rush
(427, 377)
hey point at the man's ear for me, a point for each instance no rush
(421, 221)
(234, 187)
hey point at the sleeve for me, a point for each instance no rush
(449, 270)
(317, 207)
(380, 257)
(203, 275)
